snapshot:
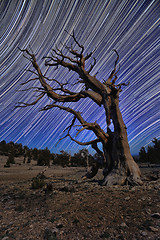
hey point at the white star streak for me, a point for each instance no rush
(129, 26)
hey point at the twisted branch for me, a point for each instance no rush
(30, 104)
(101, 135)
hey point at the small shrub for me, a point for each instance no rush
(7, 165)
(11, 158)
(76, 221)
(49, 188)
(105, 235)
(49, 235)
(19, 208)
(52, 220)
(37, 183)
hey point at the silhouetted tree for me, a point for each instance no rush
(119, 165)
(82, 159)
(61, 159)
(152, 155)
(11, 156)
(3, 148)
(44, 157)
(35, 153)
(143, 155)
(26, 149)
(18, 150)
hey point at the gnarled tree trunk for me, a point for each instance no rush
(121, 167)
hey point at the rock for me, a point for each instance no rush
(68, 189)
(5, 238)
(48, 188)
(49, 234)
(127, 198)
(123, 224)
(156, 215)
(59, 226)
(55, 230)
(153, 229)
(148, 211)
(143, 233)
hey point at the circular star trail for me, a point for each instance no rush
(129, 26)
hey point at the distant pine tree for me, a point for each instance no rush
(152, 155)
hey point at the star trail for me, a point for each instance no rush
(129, 26)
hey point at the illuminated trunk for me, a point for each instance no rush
(120, 166)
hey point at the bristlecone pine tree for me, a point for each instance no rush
(119, 166)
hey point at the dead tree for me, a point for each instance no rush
(119, 166)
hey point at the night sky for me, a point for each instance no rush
(131, 27)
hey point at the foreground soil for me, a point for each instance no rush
(75, 208)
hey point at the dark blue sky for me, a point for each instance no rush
(130, 27)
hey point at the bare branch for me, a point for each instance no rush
(80, 130)
(55, 61)
(72, 97)
(28, 70)
(92, 66)
(65, 90)
(90, 54)
(122, 84)
(61, 139)
(79, 45)
(113, 73)
(67, 109)
(71, 125)
(30, 104)
(32, 79)
(59, 53)
(89, 126)
(27, 89)
(85, 143)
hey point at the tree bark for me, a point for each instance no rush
(120, 166)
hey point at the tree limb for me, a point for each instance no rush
(30, 104)
(84, 143)
(113, 73)
(71, 97)
(89, 126)
(92, 65)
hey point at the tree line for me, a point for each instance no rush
(82, 158)
(44, 157)
(151, 154)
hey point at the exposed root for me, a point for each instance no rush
(115, 177)
(134, 177)
(92, 172)
(118, 176)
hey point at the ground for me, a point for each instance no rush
(75, 208)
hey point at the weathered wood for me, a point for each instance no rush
(119, 166)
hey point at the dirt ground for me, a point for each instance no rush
(76, 208)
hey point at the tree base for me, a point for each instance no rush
(121, 176)
(115, 177)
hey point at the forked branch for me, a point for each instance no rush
(114, 72)
(30, 104)
(85, 143)
(69, 97)
(101, 135)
